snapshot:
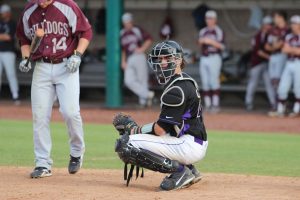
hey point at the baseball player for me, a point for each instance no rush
(56, 63)
(291, 72)
(211, 41)
(178, 139)
(259, 66)
(135, 41)
(7, 51)
(275, 40)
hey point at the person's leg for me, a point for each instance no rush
(131, 78)
(254, 76)
(9, 61)
(184, 149)
(42, 94)
(284, 87)
(215, 70)
(269, 89)
(67, 90)
(204, 75)
(141, 68)
(296, 89)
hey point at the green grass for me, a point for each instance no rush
(228, 152)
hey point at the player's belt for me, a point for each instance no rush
(52, 61)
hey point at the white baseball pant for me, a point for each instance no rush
(8, 63)
(184, 149)
(276, 64)
(136, 76)
(50, 80)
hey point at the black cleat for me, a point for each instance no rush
(40, 172)
(196, 173)
(177, 180)
(74, 164)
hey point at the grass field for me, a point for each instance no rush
(228, 152)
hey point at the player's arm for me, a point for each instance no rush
(25, 51)
(288, 49)
(82, 45)
(263, 54)
(214, 43)
(5, 37)
(123, 59)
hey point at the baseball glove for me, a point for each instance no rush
(124, 123)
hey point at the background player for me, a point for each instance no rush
(178, 138)
(7, 51)
(211, 41)
(135, 41)
(67, 35)
(291, 72)
(259, 66)
(275, 41)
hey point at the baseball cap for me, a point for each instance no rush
(295, 19)
(211, 14)
(127, 17)
(267, 20)
(5, 8)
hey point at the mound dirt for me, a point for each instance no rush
(90, 184)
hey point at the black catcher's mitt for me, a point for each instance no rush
(124, 123)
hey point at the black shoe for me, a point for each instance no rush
(74, 164)
(40, 172)
(196, 173)
(177, 180)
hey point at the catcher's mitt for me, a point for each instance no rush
(124, 123)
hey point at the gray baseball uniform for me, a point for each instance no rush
(63, 24)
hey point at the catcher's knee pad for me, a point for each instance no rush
(144, 158)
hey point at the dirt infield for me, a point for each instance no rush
(108, 184)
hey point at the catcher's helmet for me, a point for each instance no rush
(163, 59)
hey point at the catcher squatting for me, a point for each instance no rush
(178, 138)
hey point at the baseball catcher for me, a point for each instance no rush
(178, 139)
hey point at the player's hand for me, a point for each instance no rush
(124, 65)
(139, 50)
(124, 124)
(73, 63)
(23, 67)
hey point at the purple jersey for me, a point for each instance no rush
(294, 41)
(63, 23)
(132, 39)
(216, 34)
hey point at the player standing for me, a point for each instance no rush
(259, 63)
(275, 41)
(211, 41)
(135, 41)
(291, 72)
(7, 51)
(56, 63)
(178, 138)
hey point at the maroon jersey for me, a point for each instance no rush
(277, 34)
(216, 34)
(258, 42)
(132, 39)
(63, 23)
(294, 41)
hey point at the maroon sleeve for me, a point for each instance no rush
(145, 35)
(83, 27)
(23, 40)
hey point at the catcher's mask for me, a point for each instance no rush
(164, 58)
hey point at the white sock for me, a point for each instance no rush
(296, 108)
(280, 108)
(207, 101)
(215, 100)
